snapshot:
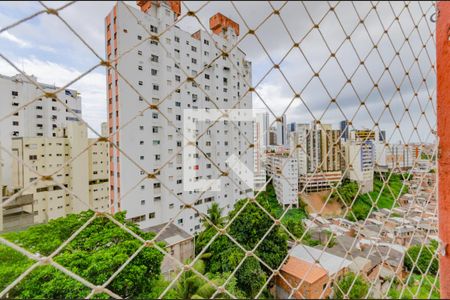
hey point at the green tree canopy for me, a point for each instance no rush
(422, 261)
(351, 287)
(95, 254)
(248, 228)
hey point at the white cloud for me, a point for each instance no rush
(12, 38)
(23, 43)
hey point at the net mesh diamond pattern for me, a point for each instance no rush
(370, 64)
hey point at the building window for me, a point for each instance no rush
(140, 68)
(153, 29)
(139, 37)
(151, 215)
(194, 49)
(15, 123)
(142, 202)
(154, 72)
(139, 52)
(15, 93)
(154, 58)
(177, 39)
(156, 87)
(140, 82)
(206, 42)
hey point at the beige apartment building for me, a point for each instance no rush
(319, 155)
(87, 176)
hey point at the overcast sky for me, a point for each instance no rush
(45, 47)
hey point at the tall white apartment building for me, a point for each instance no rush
(261, 135)
(42, 118)
(282, 132)
(86, 176)
(318, 150)
(147, 174)
(359, 163)
(284, 169)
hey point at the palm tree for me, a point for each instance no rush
(192, 286)
(214, 216)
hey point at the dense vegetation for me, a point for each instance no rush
(419, 259)
(351, 286)
(248, 228)
(292, 219)
(417, 287)
(95, 254)
(380, 197)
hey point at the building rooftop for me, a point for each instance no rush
(330, 262)
(304, 270)
(171, 235)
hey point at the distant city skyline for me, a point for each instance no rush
(37, 55)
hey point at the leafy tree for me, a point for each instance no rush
(248, 228)
(344, 288)
(251, 226)
(346, 192)
(95, 254)
(251, 276)
(420, 263)
(192, 286)
(295, 227)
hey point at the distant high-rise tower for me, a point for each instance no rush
(382, 136)
(344, 129)
(291, 127)
(281, 131)
(262, 128)
(318, 154)
(261, 141)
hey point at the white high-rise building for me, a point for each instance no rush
(284, 169)
(155, 67)
(261, 135)
(282, 132)
(41, 118)
(359, 162)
